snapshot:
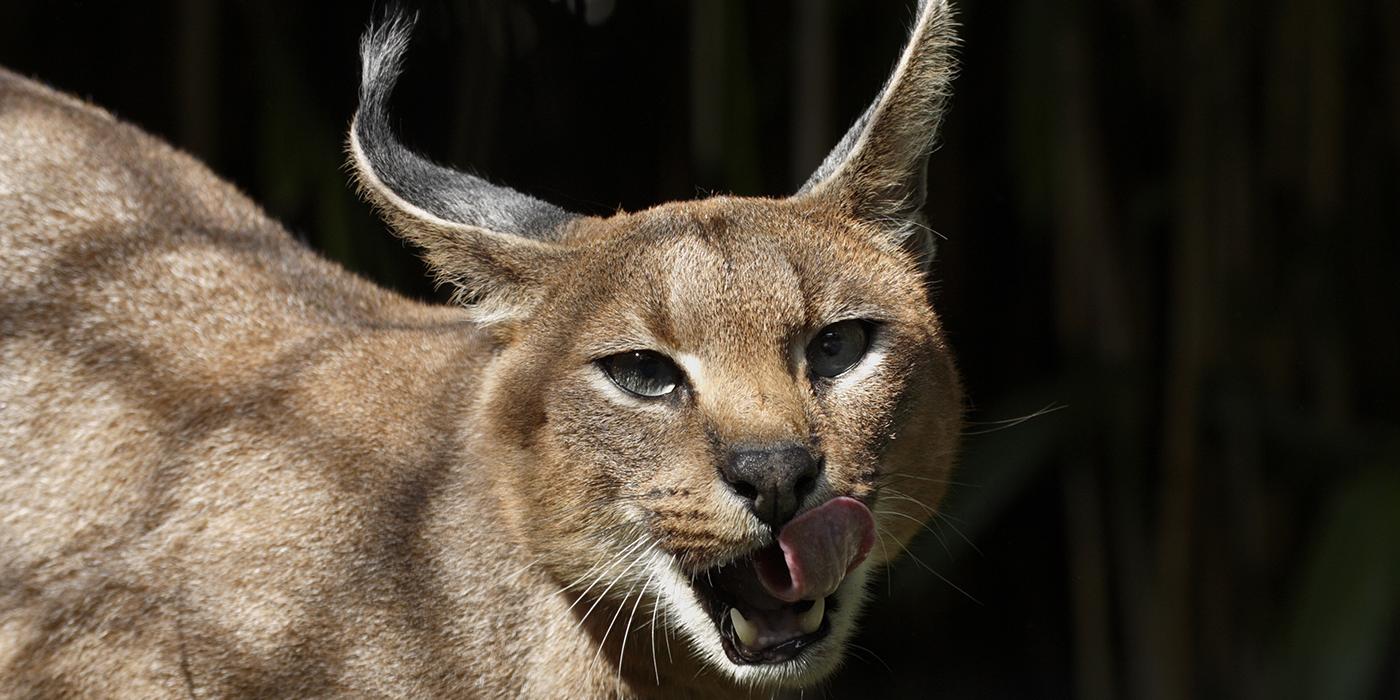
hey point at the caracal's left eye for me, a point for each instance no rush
(642, 372)
(838, 347)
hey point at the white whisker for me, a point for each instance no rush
(626, 628)
(873, 655)
(1011, 422)
(940, 577)
(901, 496)
(599, 580)
(889, 587)
(921, 524)
(655, 606)
(948, 520)
(950, 482)
(511, 577)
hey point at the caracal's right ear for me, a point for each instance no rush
(494, 244)
(877, 171)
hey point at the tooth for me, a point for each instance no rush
(747, 631)
(811, 620)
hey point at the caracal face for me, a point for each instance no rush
(723, 412)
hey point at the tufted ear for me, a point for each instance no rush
(493, 243)
(877, 171)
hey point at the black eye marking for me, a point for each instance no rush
(642, 372)
(838, 347)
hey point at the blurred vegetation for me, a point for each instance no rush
(1171, 223)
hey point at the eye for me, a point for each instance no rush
(837, 347)
(642, 372)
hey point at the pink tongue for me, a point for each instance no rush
(818, 549)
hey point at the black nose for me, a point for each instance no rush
(772, 478)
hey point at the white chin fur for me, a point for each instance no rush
(688, 618)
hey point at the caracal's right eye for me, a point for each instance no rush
(838, 347)
(642, 372)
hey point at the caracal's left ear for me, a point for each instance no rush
(877, 171)
(494, 244)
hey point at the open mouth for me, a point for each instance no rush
(773, 603)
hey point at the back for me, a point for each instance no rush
(183, 395)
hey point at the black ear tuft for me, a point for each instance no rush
(878, 168)
(495, 245)
(413, 183)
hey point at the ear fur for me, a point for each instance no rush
(877, 170)
(493, 243)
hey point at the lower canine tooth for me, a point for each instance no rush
(747, 631)
(812, 619)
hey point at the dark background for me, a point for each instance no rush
(1172, 245)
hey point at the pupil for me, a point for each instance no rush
(647, 368)
(831, 344)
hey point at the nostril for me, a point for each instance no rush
(804, 486)
(745, 490)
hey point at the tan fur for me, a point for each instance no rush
(228, 467)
